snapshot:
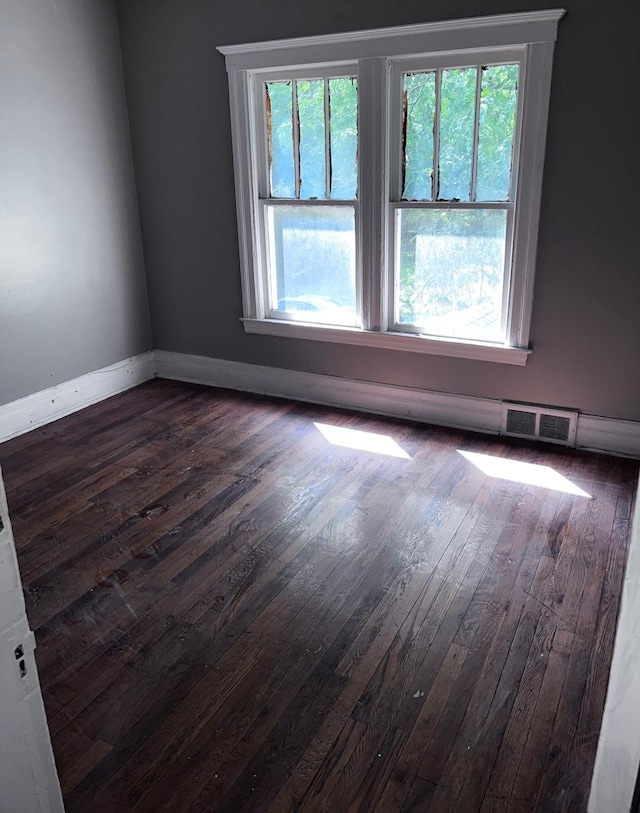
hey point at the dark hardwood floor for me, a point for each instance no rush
(233, 614)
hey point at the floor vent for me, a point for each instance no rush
(552, 425)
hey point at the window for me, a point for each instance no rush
(388, 183)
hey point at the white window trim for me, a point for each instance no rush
(375, 51)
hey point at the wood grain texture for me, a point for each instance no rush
(233, 614)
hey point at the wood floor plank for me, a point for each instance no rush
(329, 627)
(468, 768)
(501, 588)
(358, 665)
(233, 614)
(528, 772)
(594, 694)
(170, 607)
(419, 796)
(397, 793)
(563, 785)
(310, 626)
(323, 781)
(525, 702)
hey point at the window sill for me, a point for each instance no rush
(407, 342)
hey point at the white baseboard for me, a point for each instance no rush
(458, 411)
(608, 435)
(48, 405)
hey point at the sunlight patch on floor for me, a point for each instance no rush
(531, 474)
(362, 441)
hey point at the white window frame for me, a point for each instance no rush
(376, 53)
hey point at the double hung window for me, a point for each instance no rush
(388, 184)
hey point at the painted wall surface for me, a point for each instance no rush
(72, 284)
(585, 332)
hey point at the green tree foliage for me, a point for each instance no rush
(497, 109)
(450, 261)
(309, 119)
(280, 138)
(312, 140)
(457, 115)
(419, 104)
(343, 110)
(498, 101)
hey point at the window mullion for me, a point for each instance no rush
(476, 134)
(435, 185)
(327, 141)
(295, 127)
(373, 190)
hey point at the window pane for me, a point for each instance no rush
(498, 100)
(457, 115)
(343, 106)
(419, 110)
(312, 262)
(312, 144)
(280, 135)
(451, 271)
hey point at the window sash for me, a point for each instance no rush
(439, 62)
(394, 250)
(260, 134)
(270, 295)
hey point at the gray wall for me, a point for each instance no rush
(586, 331)
(72, 285)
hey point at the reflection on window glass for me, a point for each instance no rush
(451, 271)
(457, 116)
(312, 263)
(498, 100)
(419, 102)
